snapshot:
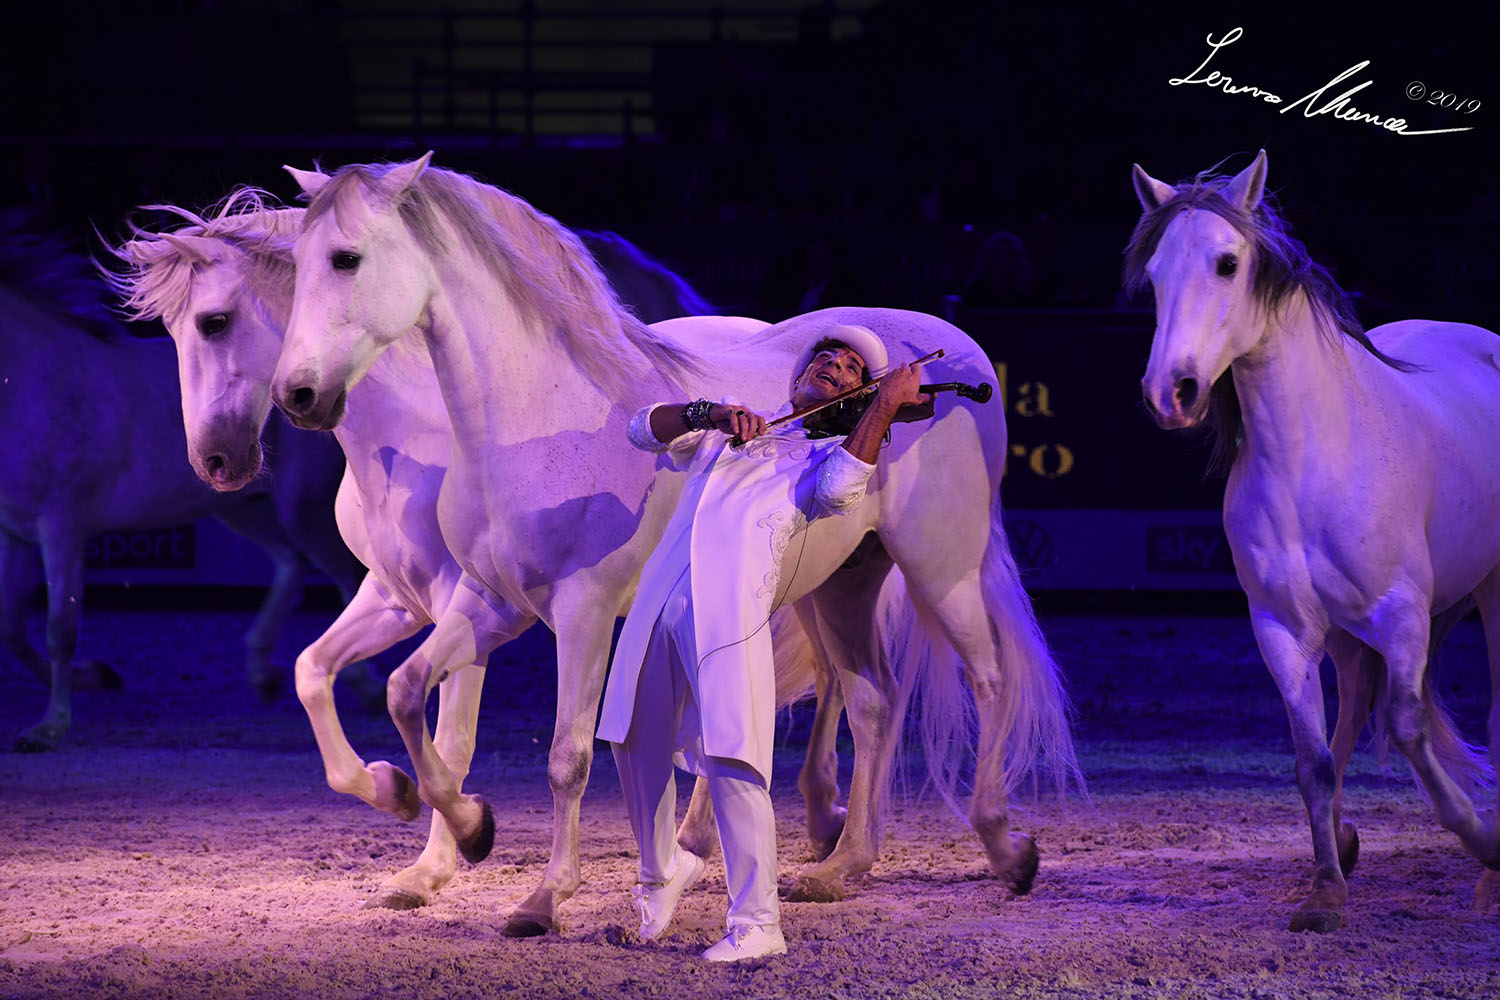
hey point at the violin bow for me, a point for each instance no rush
(858, 390)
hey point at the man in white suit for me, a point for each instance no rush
(692, 679)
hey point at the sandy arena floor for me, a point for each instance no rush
(184, 844)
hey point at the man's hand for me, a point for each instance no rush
(737, 421)
(899, 388)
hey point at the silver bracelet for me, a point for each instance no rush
(695, 415)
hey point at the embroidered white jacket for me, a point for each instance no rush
(734, 531)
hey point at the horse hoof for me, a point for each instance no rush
(395, 792)
(38, 739)
(397, 899)
(27, 743)
(477, 847)
(1021, 873)
(524, 925)
(1348, 839)
(812, 889)
(1487, 893)
(1317, 921)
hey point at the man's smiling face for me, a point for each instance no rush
(832, 370)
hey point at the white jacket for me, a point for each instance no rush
(735, 523)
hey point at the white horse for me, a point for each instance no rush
(545, 507)
(223, 285)
(93, 442)
(1363, 494)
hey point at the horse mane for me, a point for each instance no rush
(1281, 269)
(157, 277)
(45, 268)
(542, 265)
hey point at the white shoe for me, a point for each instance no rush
(748, 941)
(656, 904)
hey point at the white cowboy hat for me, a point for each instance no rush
(859, 339)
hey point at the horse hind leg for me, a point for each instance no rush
(1487, 596)
(844, 611)
(818, 781)
(1358, 669)
(1447, 767)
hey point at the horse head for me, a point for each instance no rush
(1201, 266)
(226, 319)
(362, 283)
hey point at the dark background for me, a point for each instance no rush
(970, 160)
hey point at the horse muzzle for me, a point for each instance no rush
(310, 409)
(1181, 402)
(225, 472)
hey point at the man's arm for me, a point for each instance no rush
(669, 421)
(896, 390)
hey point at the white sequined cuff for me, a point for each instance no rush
(640, 434)
(841, 481)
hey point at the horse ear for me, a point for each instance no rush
(405, 175)
(310, 181)
(196, 249)
(1148, 189)
(1249, 185)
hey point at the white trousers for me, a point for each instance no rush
(741, 797)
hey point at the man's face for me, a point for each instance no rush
(832, 370)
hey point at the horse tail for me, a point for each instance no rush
(1033, 708)
(1466, 763)
(1035, 711)
(794, 658)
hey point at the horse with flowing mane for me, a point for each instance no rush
(1362, 499)
(222, 284)
(93, 441)
(540, 369)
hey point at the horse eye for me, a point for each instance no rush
(343, 260)
(213, 324)
(1228, 264)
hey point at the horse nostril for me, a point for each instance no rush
(215, 465)
(302, 399)
(1186, 393)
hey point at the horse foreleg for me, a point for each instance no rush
(1293, 659)
(256, 520)
(583, 641)
(372, 621)
(62, 558)
(458, 717)
(472, 625)
(1355, 666)
(16, 574)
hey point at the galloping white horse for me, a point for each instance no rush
(223, 287)
(1363, 497)
(544, 506)
(92, 437)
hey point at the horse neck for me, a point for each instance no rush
(1294, 387)
(504, 379)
